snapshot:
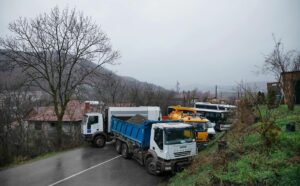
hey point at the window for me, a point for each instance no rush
(92, 120)
(200, 126)
(188, 112)
(38, 126)
(201, 106)
(158, 137)
(212, 107)
(179, 135)
(222, 108)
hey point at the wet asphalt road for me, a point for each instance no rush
(82, 166)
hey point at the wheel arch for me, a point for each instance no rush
(150, 154)
(99, 134)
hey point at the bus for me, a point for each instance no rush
(220, 114)
(210, 106)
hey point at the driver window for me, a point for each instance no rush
(158, 137)
(92, 120)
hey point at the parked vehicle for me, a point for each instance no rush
(211, 130)
(220, 114)
(210, 106)
(159, 145)
(184, 110)
(96, 127)
(189, 115)
(222, 119)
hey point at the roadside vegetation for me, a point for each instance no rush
(251, 157)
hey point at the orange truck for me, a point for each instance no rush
(189, 115)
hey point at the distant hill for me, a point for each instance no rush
(10, 72)
(255, 86)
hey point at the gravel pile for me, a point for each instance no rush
(137, 119)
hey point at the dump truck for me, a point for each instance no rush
(95, 126)
(160, 146)
(203, 127)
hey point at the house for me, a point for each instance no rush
(44, 118)
(291, 82)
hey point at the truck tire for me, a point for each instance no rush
(118, 146)
(151, 166)
(99, 141)
(125, 151)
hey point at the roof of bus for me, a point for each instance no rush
(222, 105)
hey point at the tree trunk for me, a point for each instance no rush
(59, 131)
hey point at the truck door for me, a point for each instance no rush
(94, 124)
(158, 147)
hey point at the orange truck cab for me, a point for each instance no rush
(200, 125)
(189, 115)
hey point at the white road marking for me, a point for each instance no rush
(76, 174)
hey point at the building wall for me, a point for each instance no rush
(291, 82)
(49, 128)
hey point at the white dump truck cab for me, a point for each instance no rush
(172, 146)
(92, 126)
(92, 123)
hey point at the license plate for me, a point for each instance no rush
(168, 168)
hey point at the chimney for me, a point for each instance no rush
(87, 107)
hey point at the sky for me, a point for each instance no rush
(194, 42)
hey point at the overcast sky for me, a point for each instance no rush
(195, 42)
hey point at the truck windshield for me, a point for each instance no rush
(200, 126)
(179, 135)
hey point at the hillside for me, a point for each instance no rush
(247, 160)
(10, 72)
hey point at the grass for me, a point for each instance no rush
(247, 160)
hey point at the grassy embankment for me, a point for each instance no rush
(247, 160)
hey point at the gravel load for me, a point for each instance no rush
(137, 119)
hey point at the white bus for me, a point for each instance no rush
(210, 106)
(220, 114)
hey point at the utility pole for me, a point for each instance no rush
(216, 92)
(177, 87)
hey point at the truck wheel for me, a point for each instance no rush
(118, 146)
(124, 151)
(99, 141)
(178, 168)
(151, 166)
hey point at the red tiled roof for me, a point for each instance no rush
(74, 112)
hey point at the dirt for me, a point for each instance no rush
(137, 119)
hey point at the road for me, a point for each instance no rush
(82, 166)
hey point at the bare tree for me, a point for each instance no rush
(55, 50)
(15, 103)
(111, 89)
(279, 61)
